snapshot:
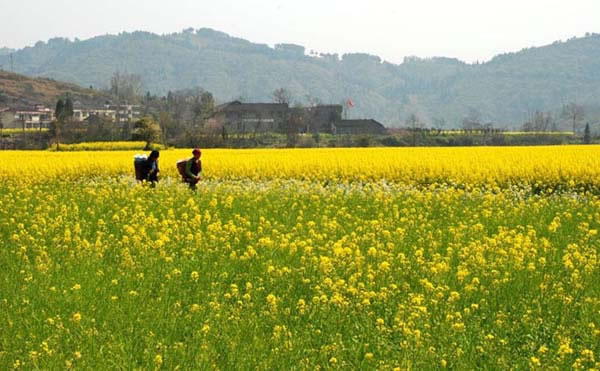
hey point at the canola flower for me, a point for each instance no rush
(317, 267)
(20, 130)
(542, 168)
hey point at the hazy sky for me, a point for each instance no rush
(466, 29)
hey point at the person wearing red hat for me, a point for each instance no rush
(190, 169)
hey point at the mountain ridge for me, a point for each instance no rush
(505, 90)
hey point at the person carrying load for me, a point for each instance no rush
(190, 169)
(146, 167)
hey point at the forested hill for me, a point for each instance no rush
(18, 91)
(506, 90)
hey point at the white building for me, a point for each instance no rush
(40, 116)
(81, 115)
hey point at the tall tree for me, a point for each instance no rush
(202, 108)
(586, 134)
(68, 109)
(313, 101)
(438, 123)
(282, 96)
(147, 130)
(126, 87)
(414, 123)
(574, 113)
(294, 121)
(208, 104)
(167, 125)
(58, 123)
(472, 121)
(60, 106)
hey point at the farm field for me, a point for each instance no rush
(20, 130)
(421, 258)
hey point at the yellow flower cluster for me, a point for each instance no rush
(20, 130)
(311, 259)
(548, 168)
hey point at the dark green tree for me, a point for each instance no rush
(60, 107)
(68, 110)
(202, 108)
(57, 125)
(147, 130)
(587, 138)
(207, 102)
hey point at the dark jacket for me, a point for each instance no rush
(193, 167)
(146, 170)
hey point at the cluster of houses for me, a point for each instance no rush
(36, 117)
(233, 117)
(40, 116)
(238, 117)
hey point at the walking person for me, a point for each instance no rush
(146, 169)
(191, 168)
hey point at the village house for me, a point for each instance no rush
(321, 118)
(7, 117)
(36, 118)
(81, 115)
(359, 127)
(238, 118)
(124, 112)
(39, 115)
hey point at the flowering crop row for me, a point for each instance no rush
(541, 167)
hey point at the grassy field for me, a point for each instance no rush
(303, 259)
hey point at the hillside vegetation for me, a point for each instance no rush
(506, 91)
(22, 91)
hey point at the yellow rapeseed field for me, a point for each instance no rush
(392, 259)
(20, 130)
(548, 167)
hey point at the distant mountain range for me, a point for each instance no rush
(506, 90)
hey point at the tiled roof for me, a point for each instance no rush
(237, 106)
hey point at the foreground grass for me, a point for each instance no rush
(291, 274)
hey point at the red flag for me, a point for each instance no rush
(350, 103)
